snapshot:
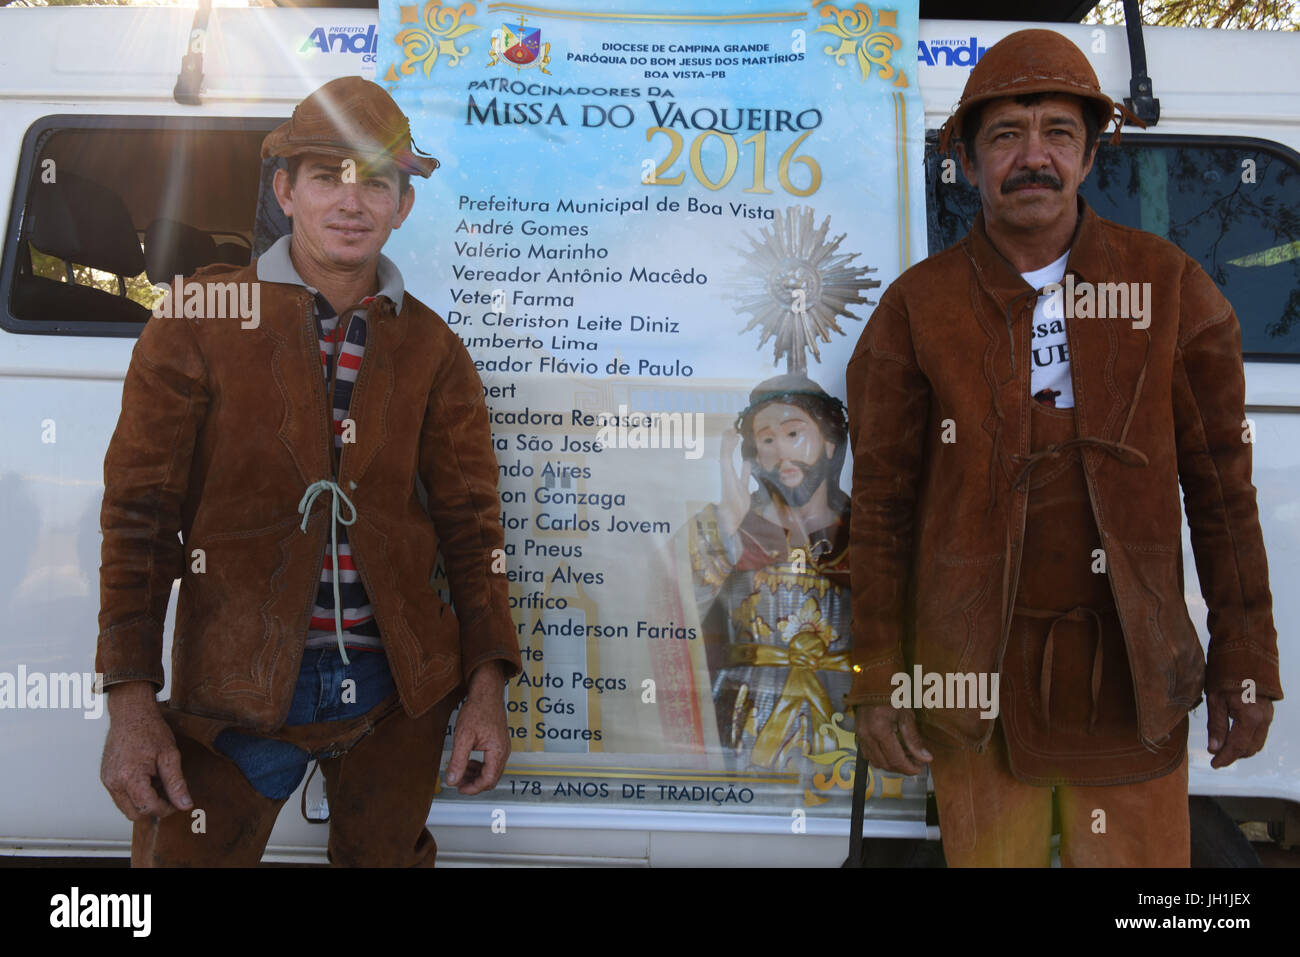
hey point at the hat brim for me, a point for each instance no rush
(1104, 107)
(405, 160)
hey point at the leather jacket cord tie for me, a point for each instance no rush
(1125, 453)
(1078, 613)
(304, 506)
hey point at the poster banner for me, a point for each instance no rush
(658, 228)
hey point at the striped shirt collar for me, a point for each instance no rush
(275, 265)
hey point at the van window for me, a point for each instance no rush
(1232, 203)
(105, 207)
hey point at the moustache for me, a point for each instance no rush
(1032, 179)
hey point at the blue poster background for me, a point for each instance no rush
(650, 207)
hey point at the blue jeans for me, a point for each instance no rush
(275, 768)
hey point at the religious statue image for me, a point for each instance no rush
(769, 560)
(772, 577)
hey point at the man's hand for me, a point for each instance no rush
(735, 488)
(141, 767)
(1249, 726)
(889, 738)
(480, 727)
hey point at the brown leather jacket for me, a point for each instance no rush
(938, 526)
(222, 430)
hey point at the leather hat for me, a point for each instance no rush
(1034, 61)
(351, 118)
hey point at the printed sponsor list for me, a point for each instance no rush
(521, 330)
(519, 274)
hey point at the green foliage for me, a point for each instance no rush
(1212, 14)
(138, 288)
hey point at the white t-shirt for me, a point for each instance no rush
(1049, 351)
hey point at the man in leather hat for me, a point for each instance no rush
(770, 570)
(1015, 502)
(313, 462)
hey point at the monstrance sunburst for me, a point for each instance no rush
(797, 285)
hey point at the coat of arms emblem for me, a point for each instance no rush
(520, 46)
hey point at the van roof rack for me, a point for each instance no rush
(190, 79)
(1140, 99)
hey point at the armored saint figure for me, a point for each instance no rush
(770, 568)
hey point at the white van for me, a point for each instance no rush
(154, 187)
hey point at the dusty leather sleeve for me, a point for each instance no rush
(146, 475)
(1214, 468)
(888, 404)
(459, 470)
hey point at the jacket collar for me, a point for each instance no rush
(1088, 259)
(275, 265)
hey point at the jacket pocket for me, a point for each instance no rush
(958, 601)
(1165, 649)
(425, 624)
(243, 609)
